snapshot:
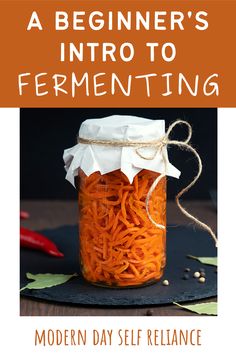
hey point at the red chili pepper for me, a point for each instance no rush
(24, 215)
(32, 239)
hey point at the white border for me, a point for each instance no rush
(17, 333)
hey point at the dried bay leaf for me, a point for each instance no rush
(41, 281)
(206, 308)
(205, 260)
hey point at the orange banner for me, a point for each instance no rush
(117, 53)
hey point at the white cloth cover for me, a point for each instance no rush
(91, 158)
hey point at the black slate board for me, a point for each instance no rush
(181, 241)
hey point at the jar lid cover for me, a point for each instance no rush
(107, 146)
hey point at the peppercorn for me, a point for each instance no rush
(196, 275)
(149, 313)
(187, 269)
(186, 276)
(165, 282)
(203, 274)
(201, 280)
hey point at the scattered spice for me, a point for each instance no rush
(186, 276)
(187, 269)
(196, 275)
(202, 280)
(203, 274)
(149, 313)
(165, 282)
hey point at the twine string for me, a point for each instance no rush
(159, 145)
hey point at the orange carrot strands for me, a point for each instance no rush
(125, 221)
(133, 216)
(136, 187)
(123, 208)
(143, 187)
(119, 245)
(115, 223)
(117, 231)
(110, 202)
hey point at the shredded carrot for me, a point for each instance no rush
(119, 245)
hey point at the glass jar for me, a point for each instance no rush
(119, 245)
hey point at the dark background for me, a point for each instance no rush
(46, 132)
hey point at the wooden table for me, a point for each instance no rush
(52, 214)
